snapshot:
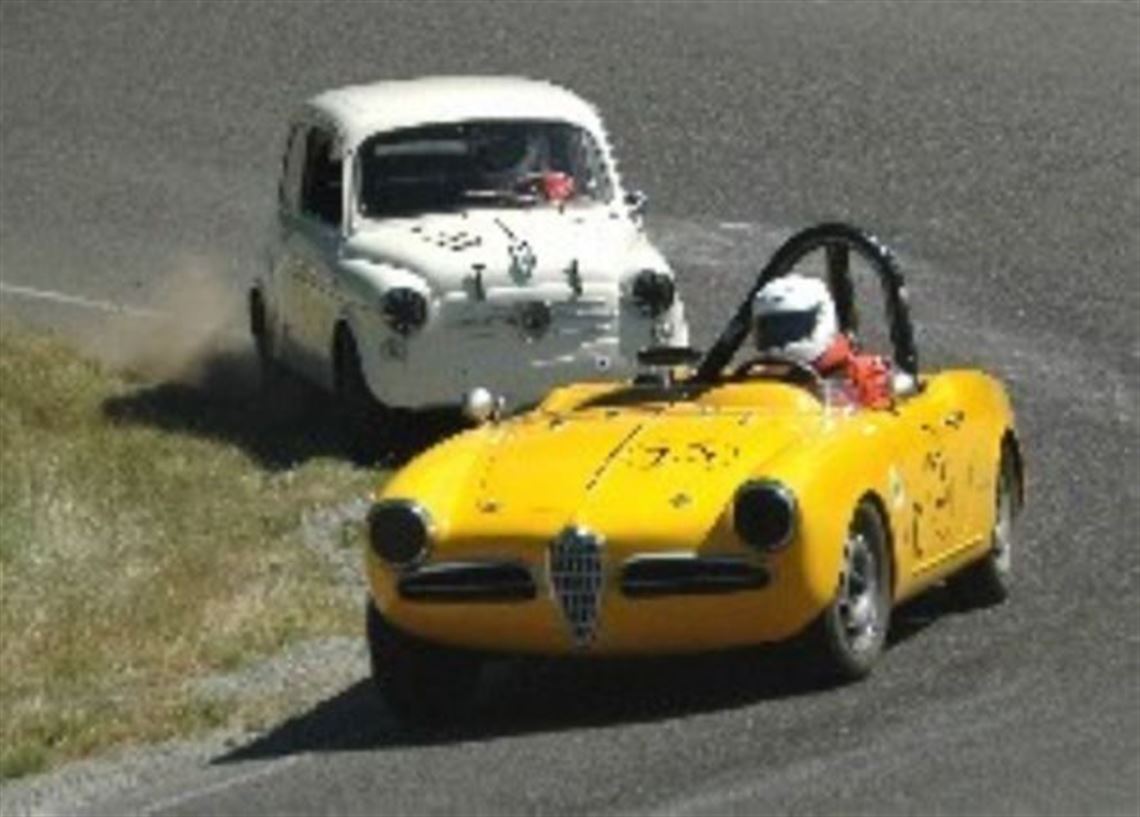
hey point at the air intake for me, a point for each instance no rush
(576, 579)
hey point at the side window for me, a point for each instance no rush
(289, 188)
(321, 182)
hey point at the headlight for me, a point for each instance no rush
(405, 309)
(399, 531)
(653, 292)
(764, 514)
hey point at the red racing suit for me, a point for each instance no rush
(868, 377)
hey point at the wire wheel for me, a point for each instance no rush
(859, 593)
(849, 635)
(1003, 525)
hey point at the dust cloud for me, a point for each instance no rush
(189, 327)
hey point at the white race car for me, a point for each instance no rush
(441, 234)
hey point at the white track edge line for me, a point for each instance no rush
(31, 293)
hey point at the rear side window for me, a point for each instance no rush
(321, 184)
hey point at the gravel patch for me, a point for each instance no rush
(304, 669)
(335, 534)
(302, 675)
(68, 789)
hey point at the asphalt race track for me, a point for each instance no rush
(998, 146)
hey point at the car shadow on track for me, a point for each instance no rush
(519, 697)
(281, 426)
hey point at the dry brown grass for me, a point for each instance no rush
(135, 556)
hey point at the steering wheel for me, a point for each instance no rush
(795, 372)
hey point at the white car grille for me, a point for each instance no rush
(576, 579)
(571, 319)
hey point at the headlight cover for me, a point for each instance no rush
(405, 309)
(653, 292)
(764, 514)
(399, 531)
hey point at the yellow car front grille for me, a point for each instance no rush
(576, 580)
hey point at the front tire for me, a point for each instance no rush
(849, 635)
(422, 684)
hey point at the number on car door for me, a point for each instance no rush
(926, 469)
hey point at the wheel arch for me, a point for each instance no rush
(351, 326)
(872, 498)
(1011, 446)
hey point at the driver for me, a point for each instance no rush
(517, 158)
(794, 319)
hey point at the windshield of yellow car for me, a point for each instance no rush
(748, 394)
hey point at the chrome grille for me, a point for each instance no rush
(576, 579)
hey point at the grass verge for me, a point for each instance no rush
(137, 555)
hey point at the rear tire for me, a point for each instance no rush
(270, 371)
(422, 684)
(988, 582)
(848, 637)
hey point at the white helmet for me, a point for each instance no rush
(794, 318)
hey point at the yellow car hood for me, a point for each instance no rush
(645, 471)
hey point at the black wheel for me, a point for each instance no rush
(269, 369)
(365, 418)
(849, 636)
(421, 683)
(989, 580)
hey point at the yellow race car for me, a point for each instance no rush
(707, 504)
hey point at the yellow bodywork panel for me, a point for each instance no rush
(655, 474)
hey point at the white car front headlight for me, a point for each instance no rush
(405, 310)
(653, 292)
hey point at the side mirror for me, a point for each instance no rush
(637, 202)
(481, 406)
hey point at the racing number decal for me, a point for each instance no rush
(932, 505)
(708, 453)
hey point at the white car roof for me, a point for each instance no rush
(358, 111)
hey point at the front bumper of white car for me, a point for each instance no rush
(518, 343)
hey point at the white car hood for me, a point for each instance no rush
(509, 247)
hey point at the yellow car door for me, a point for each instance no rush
(923, 489)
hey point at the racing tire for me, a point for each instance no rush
(365, 418)
(848, 637)
(988, 581)
(421, 683)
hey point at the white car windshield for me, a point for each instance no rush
(484, 163)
